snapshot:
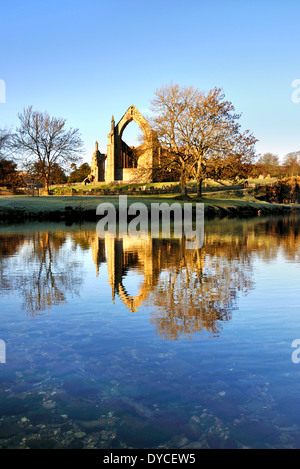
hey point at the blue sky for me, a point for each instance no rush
(86, 60)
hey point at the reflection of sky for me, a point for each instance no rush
(268, 311)
(245, 373)
(269, 316)
(133, 282)
(275, 279)
(257, 337)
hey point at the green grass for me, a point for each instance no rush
(65, 189)
(234, 203)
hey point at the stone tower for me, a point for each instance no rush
(97, 167)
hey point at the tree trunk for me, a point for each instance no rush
(47, 186)
(183, 182)
(199, 187)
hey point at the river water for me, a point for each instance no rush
(142, 343)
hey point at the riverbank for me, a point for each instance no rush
(74, 208)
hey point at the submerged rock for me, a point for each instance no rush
(8, 430)
(79, 435)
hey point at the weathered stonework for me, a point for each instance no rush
(125, 163)
(97, 173)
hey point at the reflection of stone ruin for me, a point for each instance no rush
(185, 285)
(124, 255)
(188, 290)
(122, 162)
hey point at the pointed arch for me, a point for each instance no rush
(125, 163)
(133, 114)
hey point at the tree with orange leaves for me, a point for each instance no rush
(200, 133)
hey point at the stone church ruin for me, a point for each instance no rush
(123, 163)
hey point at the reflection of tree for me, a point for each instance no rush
(287, 233)
(186, 290)
(9, 245)
(44, 270)
(264, 238)
(198, 289)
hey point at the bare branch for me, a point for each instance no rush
(44, 140)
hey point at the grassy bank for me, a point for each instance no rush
(106, 189)
(69, 208)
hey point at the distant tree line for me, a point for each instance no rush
(269, 164)
(80, 173)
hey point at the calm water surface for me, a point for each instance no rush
(145, 344)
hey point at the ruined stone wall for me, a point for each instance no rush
(122, 164)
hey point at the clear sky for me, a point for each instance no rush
(86, 60)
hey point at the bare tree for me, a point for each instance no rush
(4, 141)
(219, 146)
(291, 164)
(45, 140)
(9, 176)
(200, 132)
(172, 124)
(269, 163)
